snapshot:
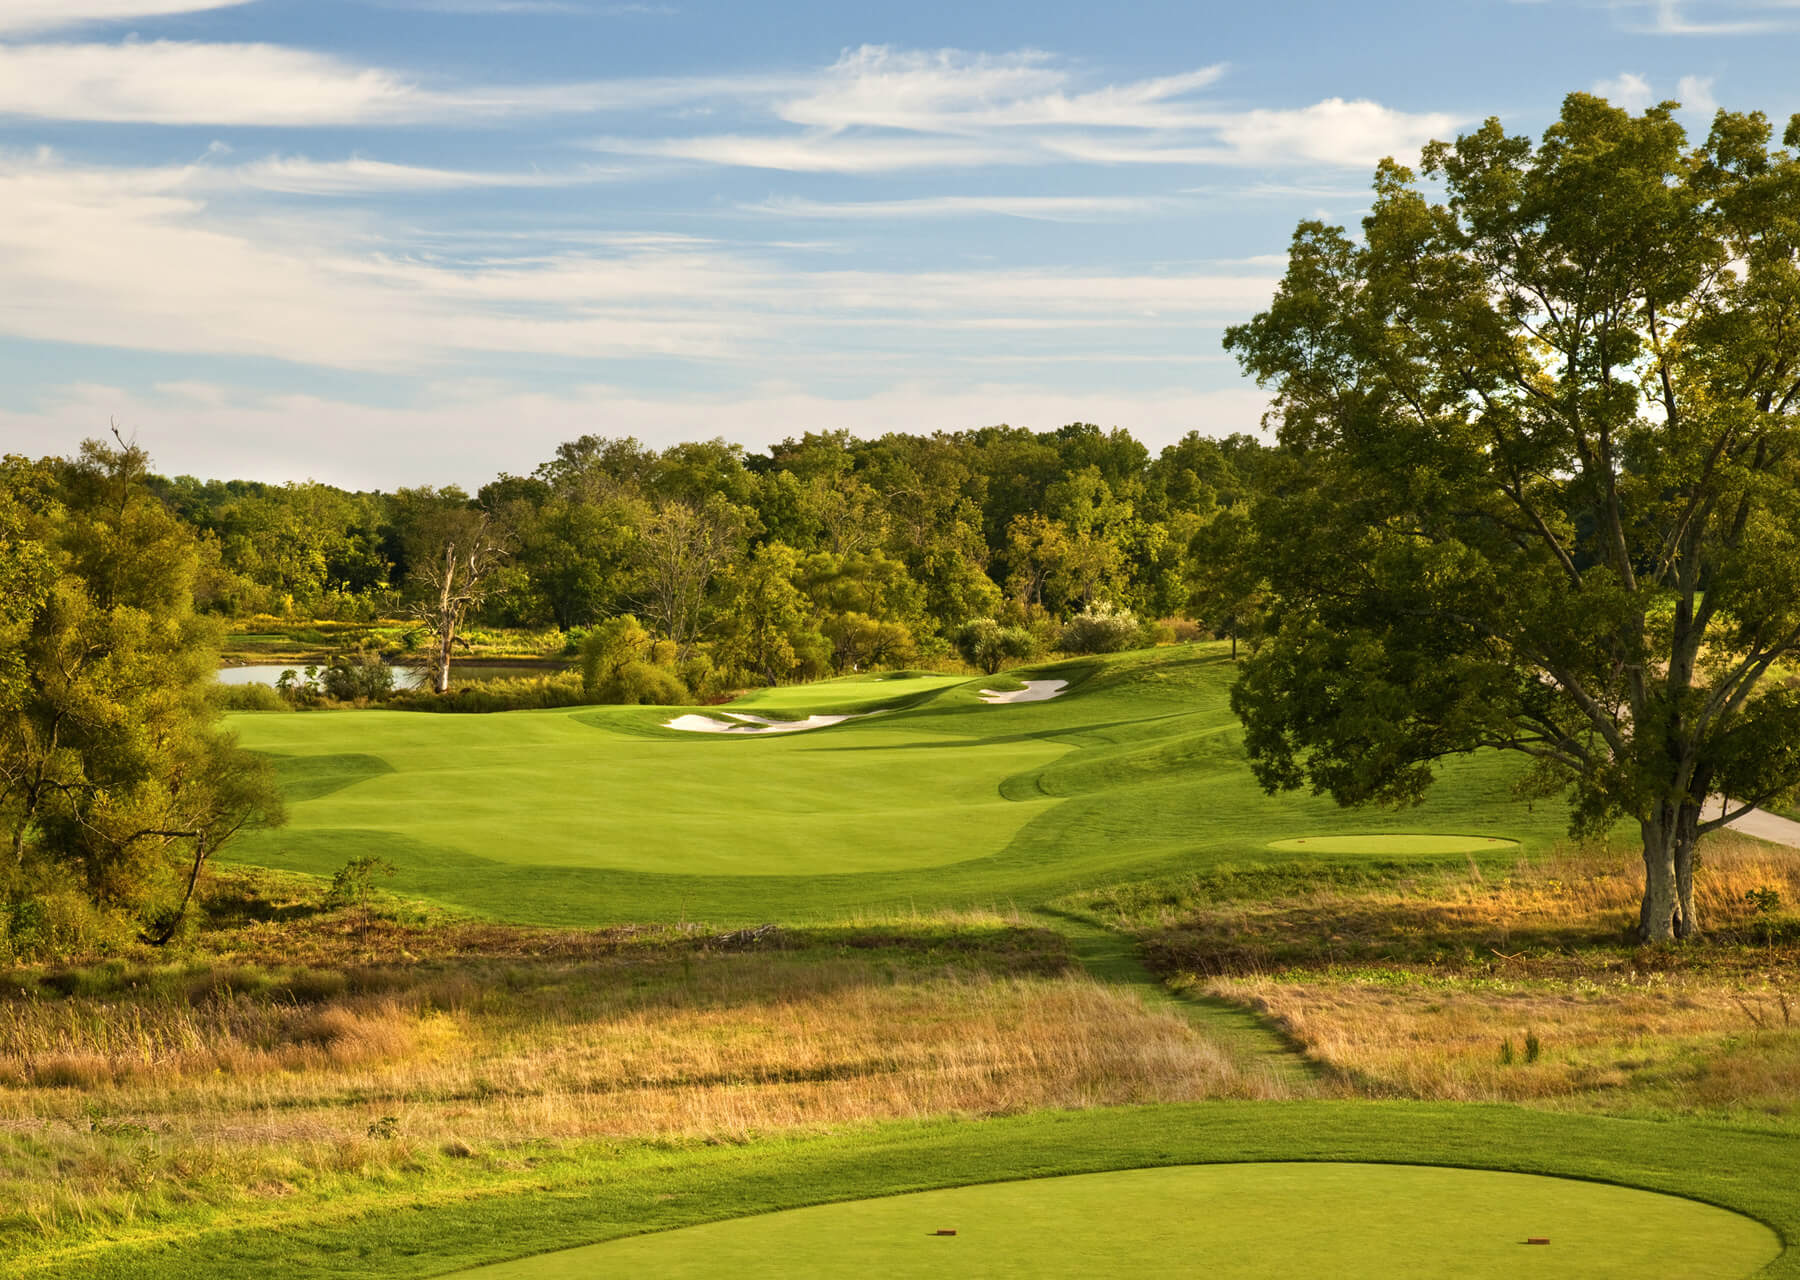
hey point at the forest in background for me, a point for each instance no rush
(689, 570)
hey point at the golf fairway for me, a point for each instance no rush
(593, 815)
(1224, 1221)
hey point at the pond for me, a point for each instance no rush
(404, 677)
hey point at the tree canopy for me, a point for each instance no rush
(1542, 489)
(115, 785)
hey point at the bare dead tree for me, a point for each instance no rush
(455, 580)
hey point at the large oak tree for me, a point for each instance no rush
(1545, 491)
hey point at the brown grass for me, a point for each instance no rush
(113, 1099)
(1437, 988)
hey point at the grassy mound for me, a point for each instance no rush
(594, 815)
(1222, 1220)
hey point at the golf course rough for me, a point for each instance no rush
(595, 815)
(1221, 1221)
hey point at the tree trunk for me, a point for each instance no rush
(440, 678)
(1667, 913)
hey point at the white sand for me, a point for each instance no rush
(1034, 691)
(744, 722)
(756, 724)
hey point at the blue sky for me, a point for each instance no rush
(383, 242)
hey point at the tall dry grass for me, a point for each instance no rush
(111, 1102)
(1522, 986)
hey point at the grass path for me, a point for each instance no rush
(1253, 1044)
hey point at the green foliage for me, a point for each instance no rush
(987, 645)
(359, 677)
(254, 696)
(352, 884)
(1542, 489)
(113, 780)
(769, 630)
(619, 666)
(1100, 628)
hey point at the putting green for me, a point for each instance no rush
(1407, 846)
(1220, 1221)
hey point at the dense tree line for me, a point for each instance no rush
(826, 554)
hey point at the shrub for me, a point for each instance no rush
(248, 697)
(640, 684)
(986, 644)
(621, 663)
(531, 693)
(359, 677)
(1100, 628)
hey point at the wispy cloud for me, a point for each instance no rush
(139, 259)
(825, 152)
(878, 110)
(1709, 17)
(575, 8)
(1038, 208)
(297, 175)
(186, 83)
(18, 17)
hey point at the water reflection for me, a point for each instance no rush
(404, 677)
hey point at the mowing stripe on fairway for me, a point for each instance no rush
(593, 815)
(1223, 1221)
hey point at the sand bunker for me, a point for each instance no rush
(746, 723)
(1034, 691)
(743, 722)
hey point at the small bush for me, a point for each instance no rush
(1100, 628)
(984, 643)
(640, 684)
(529, 693)
(248, 697)
(360, 677)
(623, 664)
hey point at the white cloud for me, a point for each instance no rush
(1333, 132)
(466, 434)
(138, 259)
(297, 175)
(19, 17)
(948, 91)
(184, 83)
(165, 82)
(1039, 208)
(879, 110)
(1740, 17)
(825, 152)
(1628, 90)
(1696, 95)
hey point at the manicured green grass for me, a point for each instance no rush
(592, 815)
(1231, 1221)
(1396, 845)
(398, 1229)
